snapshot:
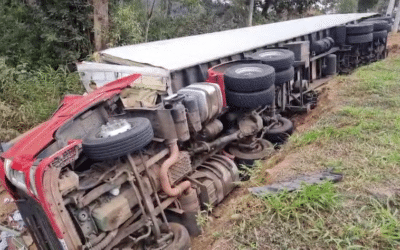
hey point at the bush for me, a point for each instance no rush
(50, 32)
(28, 98)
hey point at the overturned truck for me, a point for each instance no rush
(131, 163)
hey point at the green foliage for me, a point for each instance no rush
(28, 98)
(49, 32)
(185, 18)
(127, 24)
(347, 6)
(296, 205)
(366, 5)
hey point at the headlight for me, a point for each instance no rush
(14, 176)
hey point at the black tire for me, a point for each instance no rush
(387, 19)
(366, 38)
(250, 100)
(180, 240)
(284, 76)
(247, 78)
(379, 25)
(380, 34)
(281, 96)
(332, 42)
(280, 132)
(317, 47)
(357, 29)
(280, 59)
(327, 44)
(137, 137)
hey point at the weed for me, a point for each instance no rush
(202, 218)
(360, 137)
(296, 205)
(28, 98)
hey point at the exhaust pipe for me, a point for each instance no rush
(165, 184)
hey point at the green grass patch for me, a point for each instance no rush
(28, 98)
(361, 139)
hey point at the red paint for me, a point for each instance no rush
(218, 78)
(23, 153)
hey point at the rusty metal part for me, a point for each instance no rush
(217, 144)
(92, 177)
(100, 190)
(148, 211)
(180, 168)
(129, 227)
(189, 201)
(153, 186)
(95, 240)
(63, 219)
(215, 178)
(110, 215)
(193, 113)
(68, 182)
(110, 236)
(250, 124)
(262, 150)
(212, 129)
(181, 125)
(164, 179)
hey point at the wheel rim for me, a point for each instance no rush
(264, 149)
(114, 128)
(270, 54)
(248, 71)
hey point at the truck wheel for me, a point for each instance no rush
(330, 39)
(284, 76)
(378, 25)
(280, 96)
(250, 100)
(180, 240)
(327, 44)
(281, 131)
(280, 59)
(380, 34)
(317, 47)
(247, 78)
(118, 138)
(366, 38)
(387, 19)
(357, 29)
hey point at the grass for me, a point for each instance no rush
(28, 98)
(359, 136)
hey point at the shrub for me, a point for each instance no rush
(28, 98)
(50, 32)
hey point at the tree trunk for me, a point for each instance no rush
(396, 20)
(100, 23)
(389, 11)
(251, 9)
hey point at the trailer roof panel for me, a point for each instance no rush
(178, 53)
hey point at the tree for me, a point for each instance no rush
(366, 5)
(347, 6)
(45, 32)
(292, 7)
